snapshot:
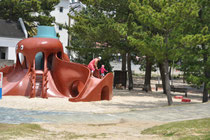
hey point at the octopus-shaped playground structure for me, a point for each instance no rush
(42, 69)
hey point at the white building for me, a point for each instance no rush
(10, 34)
(61, 17)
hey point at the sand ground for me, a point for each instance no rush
(123, 101)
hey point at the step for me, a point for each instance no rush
(39, 72)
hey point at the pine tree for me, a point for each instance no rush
(196, 58)
(161, 21)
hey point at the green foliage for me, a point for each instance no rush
(94, 26)
(172, 30)
(195, 59)
(29, 10)
(159, 26)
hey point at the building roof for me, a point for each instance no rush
(77, 6)
(11, 29)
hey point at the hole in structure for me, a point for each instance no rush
(105, 93)
(76, 88)
(49, 61)
(39, 61)
(59, 54)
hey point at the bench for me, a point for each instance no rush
(177, 89)
(142, 86)
(174, 89)
(138, 85)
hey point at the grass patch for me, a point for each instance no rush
(29, 131)
(184, 130)
(8, 131)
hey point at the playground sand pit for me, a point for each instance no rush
(123, 101)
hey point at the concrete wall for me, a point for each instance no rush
(6, 62)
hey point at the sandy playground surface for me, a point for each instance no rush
(123, 101)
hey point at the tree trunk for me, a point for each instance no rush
(165, 72)
(162, 77)
(184, 77)
(207, 76)
(167, 82)
(130, 78)
(123, 61)
(170, 74)
(205, 93)
(147, 83)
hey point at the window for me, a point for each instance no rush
(3, 52)
(61, 9)
(73, 1)
(60, 27)
(2, 55)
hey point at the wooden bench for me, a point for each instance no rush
(177, 89)
(174, 89)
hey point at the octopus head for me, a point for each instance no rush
(19, 47)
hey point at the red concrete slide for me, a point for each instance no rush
(44, 70)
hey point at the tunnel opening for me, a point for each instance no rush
(39, 61)
(76, 88)
(105, 93)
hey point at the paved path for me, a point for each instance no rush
(163, 114)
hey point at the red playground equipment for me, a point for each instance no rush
(43, 69)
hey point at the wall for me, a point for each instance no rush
(62, 18)
(10, 43)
